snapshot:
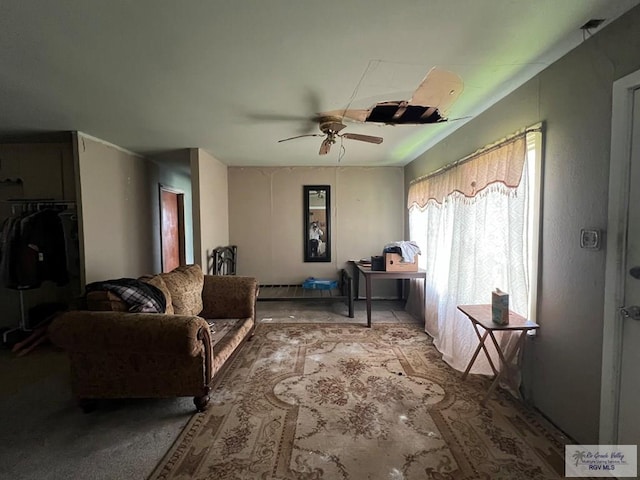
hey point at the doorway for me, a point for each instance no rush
(620, 410)
(172, 238)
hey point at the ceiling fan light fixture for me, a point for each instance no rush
(331, 126)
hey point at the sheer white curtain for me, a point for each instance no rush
(473, 238)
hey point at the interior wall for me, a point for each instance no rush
(266, 219)
(116, 212)
(210, 204)
(173, 170)
(573, 98)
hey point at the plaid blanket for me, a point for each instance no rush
(138, 295)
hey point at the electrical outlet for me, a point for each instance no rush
(590, 238)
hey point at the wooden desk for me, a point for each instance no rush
(377, 275)
(480, 316)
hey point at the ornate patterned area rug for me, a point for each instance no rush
(310, 401)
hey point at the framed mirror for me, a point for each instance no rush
(317, 223)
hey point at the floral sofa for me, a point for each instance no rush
(118, 354)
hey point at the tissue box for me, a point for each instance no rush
(393, 263)
(500, 307)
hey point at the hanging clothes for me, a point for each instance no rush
(33, 250)
(69, 219)
(8, 246)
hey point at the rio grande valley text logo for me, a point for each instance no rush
(614, 461)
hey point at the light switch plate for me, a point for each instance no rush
(590, 238)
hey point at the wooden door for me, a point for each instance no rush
(171, 228)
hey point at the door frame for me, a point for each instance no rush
(181, 225)
(615, 273)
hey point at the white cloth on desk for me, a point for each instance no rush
(408, 249)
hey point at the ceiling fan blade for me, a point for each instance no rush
(355, 115)
(277, 117)
(300, 136)
(362, 138)
(325, 146)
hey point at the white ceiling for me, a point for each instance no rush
(233, 77)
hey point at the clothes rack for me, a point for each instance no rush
(33, 205)
(27, 206)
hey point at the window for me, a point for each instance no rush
(476, 222)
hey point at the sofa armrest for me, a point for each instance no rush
(229, 296)
(90, 332)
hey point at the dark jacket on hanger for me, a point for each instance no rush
(34, 250)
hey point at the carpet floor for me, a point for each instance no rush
(342, 401)
(314, 395)
(45, 436)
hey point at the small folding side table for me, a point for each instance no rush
(480, 316)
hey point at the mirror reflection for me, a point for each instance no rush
(317, 215)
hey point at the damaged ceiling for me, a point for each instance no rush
(234, 78)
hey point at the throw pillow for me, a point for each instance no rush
(185, 286)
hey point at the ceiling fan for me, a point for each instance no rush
(331, 126)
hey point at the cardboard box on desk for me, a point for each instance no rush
(393, 263)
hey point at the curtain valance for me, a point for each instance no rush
(501, 164)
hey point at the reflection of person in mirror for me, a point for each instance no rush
(314, 238)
